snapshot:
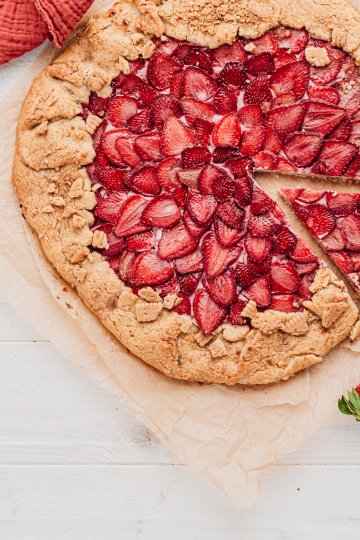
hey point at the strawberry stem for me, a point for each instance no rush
(351, 404)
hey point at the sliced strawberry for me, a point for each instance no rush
(334, 158)
(309, 195)
(258, 90)
(226, 235)
(284, 57)
(284, 278)
(286, 120)
(129, 84)
(342, 204)
(261, 202)
(190, 263)
(161, 212)
(240, 166)
(233, 76)
(110, 177)
(250, 115)
(114, 263)
(322, 117)
(302, 148)
(197, 109)
(258, 248)
(141, 241)
(330, 95)
(223, 153)
(243, 190)
(355, 134)
(167, 175)
(216, 258)
(293, 77)
(343, 260)
(350, 226)
(98, 135)
(236, 309)
(115, 244)
(335, 241)
(225, 102)
(263, 225)
(342, 132)
(320, 220)
(231, 215)
(150, 270)
(129, 218)
(302, 253)
(188, 283)
(108, 209)
(177, 84)
(140, 122)
(223, 187)
(265, 43)
(148, 147)
(355, 257)
(108, 144)
(228, 53)
(127, 152)
(169, 287)
(265, 160)
(203, 129)
(222, 289)
(283, 99)
(304, 287)
(120, 109)
(259, 291)
(144, 180)
(272, 143)
(244, 276)
(175, 137)
(176, 242)
(144, 94)
(189, 177)
(194, 56)
(259, 269)
(285, 241)
(306, 268)
(227, 131)
(166, 45)
(126, 265)
(262, 63)
(207, 177)
(161, 69)
(198, 84)
(164, 106)
(252, 141)
(195, 157)
(200, 207)
(283, 165)
(208, 314)
(324, 75)
(293, 39)
(195, 229)
(98, 104)
(285, 302)
(184, 308)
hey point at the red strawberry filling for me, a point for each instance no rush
(334, 219)
(181, 137)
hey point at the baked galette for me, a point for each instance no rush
(136, 163)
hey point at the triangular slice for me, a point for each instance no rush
(334, 220)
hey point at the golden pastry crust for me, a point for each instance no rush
(54, 144)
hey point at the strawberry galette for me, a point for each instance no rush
(136, 165)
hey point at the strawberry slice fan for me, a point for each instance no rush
(25, 24)
(181, 137)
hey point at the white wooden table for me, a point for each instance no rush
(75, 465)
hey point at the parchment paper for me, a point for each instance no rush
(227, 434)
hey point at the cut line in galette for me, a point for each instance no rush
(135, 164)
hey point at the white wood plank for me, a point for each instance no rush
(170, 502)
(51, 413)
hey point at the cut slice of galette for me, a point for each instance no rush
(333, 218)
(136, 162)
